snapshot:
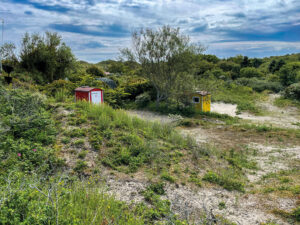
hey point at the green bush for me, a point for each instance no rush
(95, 71)
(80, 166)
(288, 73)
(167, 177)
(296, 213)
(259, 85)
(293, 91)
(27, 132)
(250, 72)
(36, 200)
(143, 99)
(227, 180)
(157, 188)
(52, 88)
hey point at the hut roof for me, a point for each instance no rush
(203, 93)
(84, 89)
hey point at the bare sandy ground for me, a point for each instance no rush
(189, 204)
(240, 208)
(275, 116)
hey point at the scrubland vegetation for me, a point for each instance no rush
(57, 154)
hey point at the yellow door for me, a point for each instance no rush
(206, 103)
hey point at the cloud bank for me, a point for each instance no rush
(97, 29)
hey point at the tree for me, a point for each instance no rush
(288, 73)
(95, 71)
(116, 67)
(8, 57)
(245, 62)
(250, 72)
(46, 56)
(272, 66)
(7, 52)
(164, 55)
(256, 62)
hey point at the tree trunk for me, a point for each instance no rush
(157, 99)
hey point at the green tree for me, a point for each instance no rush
(288, 73)
(272, 66)
(279, 64)
(116, 67)
(245, 62)
(256, 62)
(250, 72)
(95, 70)
(46, 56)
(7, 52)
(164, 55)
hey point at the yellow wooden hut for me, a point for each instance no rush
(201, 100)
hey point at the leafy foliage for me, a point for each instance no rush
(47, 58)
(26, 129)
(164, 55)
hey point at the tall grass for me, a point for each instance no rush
(108, 118)
(130, 141)
(57, 200)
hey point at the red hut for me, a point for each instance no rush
(94, 95)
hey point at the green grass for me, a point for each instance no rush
(70, 201)
(227, 179)
(284, 102)
(129, 142)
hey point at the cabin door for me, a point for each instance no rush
(96, 97)
(206, 103)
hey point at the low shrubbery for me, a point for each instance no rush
(63, 200)
(228, 180)
(260, 85)
(293, 91)
(27, 132)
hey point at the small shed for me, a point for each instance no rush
(201, 100)
(89, 94)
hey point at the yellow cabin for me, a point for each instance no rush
(202, 100)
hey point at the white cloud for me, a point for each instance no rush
(216, 21)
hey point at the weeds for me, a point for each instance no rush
(226, 179)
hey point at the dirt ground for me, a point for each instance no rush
(187, 201)
(275, 116)
(272, 156)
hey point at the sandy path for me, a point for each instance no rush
(275, 116)
(240, 208)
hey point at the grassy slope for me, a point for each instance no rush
(129, 145)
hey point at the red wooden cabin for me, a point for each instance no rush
(89, 94)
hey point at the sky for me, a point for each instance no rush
(96, 30)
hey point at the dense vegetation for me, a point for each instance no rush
(35, 133)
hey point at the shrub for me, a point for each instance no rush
(82, 154)
(260, 85)
(95, 71)
(27, 131)
(157, 188)
(79, 142)
(227, 179)
(167, 177)
(250, 72)
(143, 99)
(288, 73)
(80, 166)
(61, 95)
(293, 91)
(296, 213)
(52, 88)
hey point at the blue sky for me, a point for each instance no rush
(97, 29)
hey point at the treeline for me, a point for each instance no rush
(44, 59)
